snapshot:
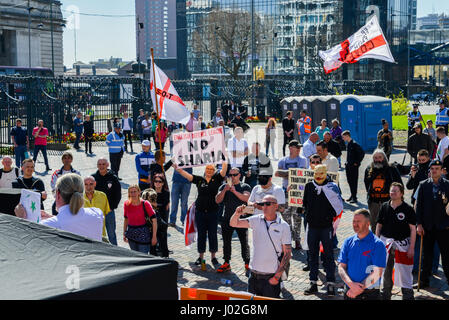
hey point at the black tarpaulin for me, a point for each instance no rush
(38, 262)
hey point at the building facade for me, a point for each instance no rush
(294, 31)
(160, 24)
(38, 27)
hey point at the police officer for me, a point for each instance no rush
(413, 116)
(442, 119)
(116, 143)
(432, 219)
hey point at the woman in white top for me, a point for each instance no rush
(72, 216)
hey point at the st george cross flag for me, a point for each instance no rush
(367, 42)
(170, 105)
(190, 232)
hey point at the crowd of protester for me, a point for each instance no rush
(240, 195)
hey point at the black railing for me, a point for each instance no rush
(56, 100)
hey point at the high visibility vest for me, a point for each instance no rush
(442, 117)
(413, 117)
(307, 127)
(90, 112)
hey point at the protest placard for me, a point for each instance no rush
(32, 203)
(199, 148)
(297, 180)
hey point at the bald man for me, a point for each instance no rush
(272, 247)
(96, 199)
(309, 147)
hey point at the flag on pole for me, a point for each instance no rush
(367, 42)
(190, 231)
(171, 106)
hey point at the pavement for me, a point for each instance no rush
(192, 276)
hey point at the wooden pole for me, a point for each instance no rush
(420, 259)
(157, 110)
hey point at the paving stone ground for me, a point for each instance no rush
(190, 275)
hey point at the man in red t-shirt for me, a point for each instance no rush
(40, 134)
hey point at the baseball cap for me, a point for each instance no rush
(146, 143)
(117, 125)
(295, 143)
(417, 125)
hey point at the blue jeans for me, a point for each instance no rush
(314, 237)
(110, 227)
(44, 153)
(144, 248)
(19, 152)
(207, 225)
(77, 140)
(179, 190)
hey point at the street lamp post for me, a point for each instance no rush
(29, 36)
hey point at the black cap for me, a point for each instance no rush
(436, 162)
(441, 101)
(295, 143)
(117, 125)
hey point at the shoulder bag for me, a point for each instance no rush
(287, 266)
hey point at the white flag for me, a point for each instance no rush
(171, 107)
(367, 42)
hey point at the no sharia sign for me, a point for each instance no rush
(199, 148)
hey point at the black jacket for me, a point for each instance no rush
(319, 212)
(110, 185)
(421, 175)
(88, 128)
(391, 175)
(288, 125)
(417, 142)
(429, 213)
(355, 153)
(334, 148)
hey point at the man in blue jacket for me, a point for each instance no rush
(115, 142)
(79, 125)
(143, 162)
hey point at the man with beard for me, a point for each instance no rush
(418, 141)
(379, 176)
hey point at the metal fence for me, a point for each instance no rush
(56, 100)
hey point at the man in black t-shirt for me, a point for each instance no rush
(396, 227)
(27, 181)
(233, 194)
(21, 142)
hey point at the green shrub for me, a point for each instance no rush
(399, 105)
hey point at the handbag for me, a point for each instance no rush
(141, 234)
(148, 222)
(287, 266)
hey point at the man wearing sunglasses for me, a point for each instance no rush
(232, 196)
(271, 245)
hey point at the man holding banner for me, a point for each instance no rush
(291, 215)
(322, 203)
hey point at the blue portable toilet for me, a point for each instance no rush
(362, 116)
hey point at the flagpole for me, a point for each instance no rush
(157, 109)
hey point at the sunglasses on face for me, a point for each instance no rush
(158, 181)
(234, 174)
(267, 203)
(315, 162)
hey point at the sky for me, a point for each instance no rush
(102, 37)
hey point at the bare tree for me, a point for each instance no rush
(225, 37)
